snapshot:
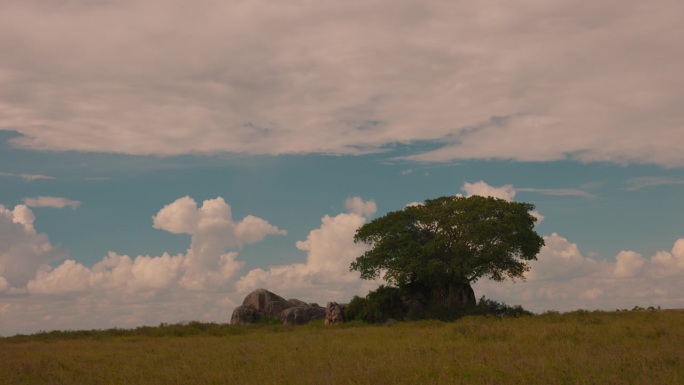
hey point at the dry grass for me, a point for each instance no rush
(574, 348)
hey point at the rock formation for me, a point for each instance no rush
(334, 313)
(301, 314)
(262, 303)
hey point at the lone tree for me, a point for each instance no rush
(434, 251)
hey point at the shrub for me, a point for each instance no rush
(491, 307)
(378, 306)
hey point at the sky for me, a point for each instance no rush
(159, 160)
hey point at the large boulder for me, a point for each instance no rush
(334, 313)
(266, 303)
(245, 315)
(262, 303)
(294, 302)
(301, 314)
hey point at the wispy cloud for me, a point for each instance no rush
(650, 181)
(97, 178)
(558, 192)
(56, 202)
(26, 177)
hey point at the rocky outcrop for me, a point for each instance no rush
(334, 313)
(261, 303)
(301, 315)
(244, 315)
(296, 303)
(266, 303)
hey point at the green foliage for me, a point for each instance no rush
(437, 249)
(271, 321)
(388, 302)
(378, 306)
(499, 309)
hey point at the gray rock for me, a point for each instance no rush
(245, 315)
(294, 302)
(301, 314)
(259, 299)
(262, 303)
(334, 313)
(274, 308)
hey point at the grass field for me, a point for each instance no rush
(573, 348)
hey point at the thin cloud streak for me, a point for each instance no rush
(27, 177)
(558, 192)
(55, 202)
(644, 182)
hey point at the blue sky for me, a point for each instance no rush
(159, 161)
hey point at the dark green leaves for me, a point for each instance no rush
(450, 240)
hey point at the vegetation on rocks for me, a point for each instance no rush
(432, 253)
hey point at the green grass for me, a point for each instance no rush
(573, 348)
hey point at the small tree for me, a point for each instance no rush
(436, 250)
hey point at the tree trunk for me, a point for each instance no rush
(455, 295)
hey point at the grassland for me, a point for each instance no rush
(573, 348)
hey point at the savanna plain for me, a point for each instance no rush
(579, 347)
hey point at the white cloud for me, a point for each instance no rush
(670, 263)
(213, 231)
(505, 192)
(330, 251)
(24, 216)
(529, 81)
(179, 217)
(563, 279)
(358, 206)
(56, 202)
(23, 251)
(214, 217)
(628, 264)
(561, 260)
(120, 284)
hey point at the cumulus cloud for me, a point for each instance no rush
(202, 284)
(23, 251)
(130, 290)
(330, 251)
(528, 81)
(56, 202)
(214, 216)
(628, 264)
(505, 192)
(213, 231)
(563, 279)
(358, 206)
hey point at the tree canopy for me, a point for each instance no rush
(442, 246)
